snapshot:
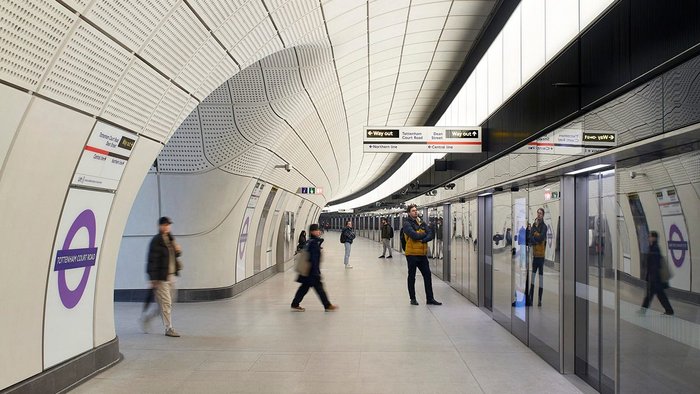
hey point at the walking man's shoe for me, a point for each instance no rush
(390, 257)
(381, 257)
(433, 302)
(414, 302)
(332, 308)
(170, 332)
(297, 309)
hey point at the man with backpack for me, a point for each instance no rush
(387, 235)
(417, 235)
(346, 238)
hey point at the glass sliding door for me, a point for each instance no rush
(595, 294)
(456, 247)
(502, 260)
(471, 231)
(544, 287)
(515, 236)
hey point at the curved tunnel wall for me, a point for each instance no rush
(71, 65)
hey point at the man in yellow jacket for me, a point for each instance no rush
(417, 235)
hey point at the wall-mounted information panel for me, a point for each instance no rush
(104, 157)
(422, 139)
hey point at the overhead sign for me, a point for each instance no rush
(422, 139)
(571, 142)
(310, 190)
(70, 294)
(104, 157)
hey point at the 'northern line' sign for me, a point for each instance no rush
(422, 139)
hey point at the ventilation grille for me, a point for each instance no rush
(78, 5)
(166, 116)
(198, 69)
(137, 96)
(222, 141)
(219, 75)
(182, 34)
(250, 164)
(130, 22)
(30, 34)
(247, 86)
(220, 95)
(185, 151)
(255, 122)
(87, 70)
(282, 83)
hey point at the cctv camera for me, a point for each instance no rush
(449, 186)
(287, 167)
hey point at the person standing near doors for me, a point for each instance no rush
(346, 238)
(657, 276)
(417, 235)
(387, 235)
(538, 241)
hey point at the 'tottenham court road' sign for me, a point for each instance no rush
(422, 139)
(74, 265)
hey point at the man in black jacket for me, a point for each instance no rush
(162, 268)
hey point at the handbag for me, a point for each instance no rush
(302, 265)
(665, 274)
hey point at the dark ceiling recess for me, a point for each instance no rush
(499, 17)
(617, 53)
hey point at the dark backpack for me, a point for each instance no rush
(403, 240)
(342, 237)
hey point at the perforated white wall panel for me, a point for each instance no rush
(87, 70)
(137, 96)
(30, 35)
(130, 22)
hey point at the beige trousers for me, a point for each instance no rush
(164, 297)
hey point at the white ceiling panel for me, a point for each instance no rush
(430, 9)
(426, 24)
(379, 7)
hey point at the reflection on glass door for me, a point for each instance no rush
(595, 297)
(543, 318)
(502, 260)
(471, 282)
(455, 245)
(515, 238)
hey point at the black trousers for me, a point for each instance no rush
(656, 287)
(537, 265)
(420, 262)
(304, 288)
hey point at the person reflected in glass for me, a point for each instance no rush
(437, 252)
(538, 241)
(657, 276)
(417, 234)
